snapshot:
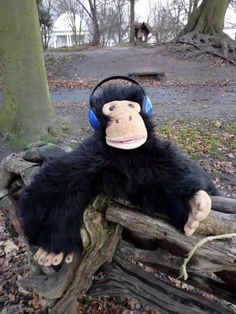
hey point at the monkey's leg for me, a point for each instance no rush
(47, 259)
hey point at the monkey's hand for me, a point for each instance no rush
(200, 206)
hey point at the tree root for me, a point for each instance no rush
(219, 45)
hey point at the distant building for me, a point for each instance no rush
(62, 34)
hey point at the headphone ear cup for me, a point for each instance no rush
(147, 105)
(93, 120)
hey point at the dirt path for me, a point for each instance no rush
(102, 62)
(197, 102)
(198, 90)
(190, 90)
(171, 102)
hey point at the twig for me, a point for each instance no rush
(183, 269)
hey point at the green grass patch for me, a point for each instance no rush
(200, 138)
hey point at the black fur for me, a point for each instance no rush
(155, 176)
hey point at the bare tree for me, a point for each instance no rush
(122, 19)
(233, 6)
(91, 7)
(167, 19)
(46, 19)
(107, 20)
(113, 21)
(132, 20)
(74, 14)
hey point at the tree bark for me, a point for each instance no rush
(122, 278)
(204, 32)
(27, 111)
(96, 31)
(132, 18)
(208, 18)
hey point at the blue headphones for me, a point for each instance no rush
(92, 117)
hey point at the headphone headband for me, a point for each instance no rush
(146, 105)
(111, 78)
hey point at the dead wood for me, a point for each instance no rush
(103, 224)
(213, 256)
(156, 75)
(63, 288)
(165, 262)
(122, 278)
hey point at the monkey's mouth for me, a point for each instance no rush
(127, 143)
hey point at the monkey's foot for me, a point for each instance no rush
(200, 206)
(48, 259)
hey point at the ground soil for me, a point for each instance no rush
(102, 62)
(192, 89)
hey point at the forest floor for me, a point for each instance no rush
(194, 106)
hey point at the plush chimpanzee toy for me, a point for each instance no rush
(123, 159)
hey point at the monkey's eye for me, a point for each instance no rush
(131, 105)
(111, 108)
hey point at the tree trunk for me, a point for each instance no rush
(208, 18)
(132, 17)
(96, 30)
(27, 110)
(204, 32)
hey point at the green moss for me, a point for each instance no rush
(231, 128)
(15, 141)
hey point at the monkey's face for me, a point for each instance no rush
(126, 128)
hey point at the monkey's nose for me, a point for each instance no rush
(123, 119)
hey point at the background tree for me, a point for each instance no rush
(233, 6)
(113, 21)
(74, 14)
(121, 21)
(204, 30)
(192, 6)
(208, 18)
(46, 20)
(167, 19)
(132, 20)
(27, 111)
(91, 8)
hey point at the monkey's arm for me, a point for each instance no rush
(185, 188)
(51, 208)
(182, 175)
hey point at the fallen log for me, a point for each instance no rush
(118, 231)
(153, 75)
(123, 278)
